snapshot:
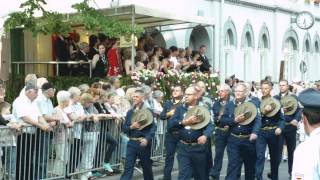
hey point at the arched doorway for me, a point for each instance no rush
(199, 36)
(158, 39)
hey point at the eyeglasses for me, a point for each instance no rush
(189, 94)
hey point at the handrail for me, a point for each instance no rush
(53, 63)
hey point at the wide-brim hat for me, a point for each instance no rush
(249, 110)
(275, 104)
(290, 103)
(144, 117)
(202, 114)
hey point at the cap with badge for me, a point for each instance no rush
(310, 98)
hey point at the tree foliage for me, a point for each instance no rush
(54, 22)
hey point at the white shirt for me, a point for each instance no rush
(120, 92)
(306, 161)
(23, 107)
(78, 110)
(174, 60)
(45, 105)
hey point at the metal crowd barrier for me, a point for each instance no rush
(33, 154)
(47, 63)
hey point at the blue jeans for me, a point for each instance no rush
(240, 150)
(171, 142)
(193, 162)
(134, 151)
(269, 138)
(221, 141)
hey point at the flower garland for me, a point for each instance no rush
(165, 82)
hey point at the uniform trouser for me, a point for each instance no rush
(240, 151)
(273, 141)
(288, 136)
(193, 162)
(171, 143)
(221, 141)
(134, 151)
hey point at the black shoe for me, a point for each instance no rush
(214, 178)
(269, 175)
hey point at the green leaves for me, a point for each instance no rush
(95, 21)
(54, 22)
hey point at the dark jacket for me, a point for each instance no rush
(188, 135)
(228, 118)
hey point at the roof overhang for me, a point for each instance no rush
(148, 17)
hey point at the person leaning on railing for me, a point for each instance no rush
(61, 132)
(105, 137)
(76, 114)
(8, 141)
(25, 110)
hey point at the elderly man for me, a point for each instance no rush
(222, 130)
(25, 110)
(82, 57)
(204, 61)
(291, 122)
(172, 137)
(241, 142)
(46, 110)
(272, 125)
(139, 145)
(306, 161)
(192, 148)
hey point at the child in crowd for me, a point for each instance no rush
(8, 141)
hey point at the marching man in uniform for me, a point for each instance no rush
(244, 121)
(292, 115)
(272, 124)
(221, 130)
(306, 160)
(140, 128)
(172, 138)
(194, 126)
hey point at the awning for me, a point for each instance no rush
(148, 17)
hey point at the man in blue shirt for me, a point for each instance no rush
(221, 130)
(291, 122)
(271, 128)
(192, 146)
(172, 138)
(241, 142)
(139, 145)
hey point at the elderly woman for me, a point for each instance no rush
(90, 133)
(63, 98)
(76, 114)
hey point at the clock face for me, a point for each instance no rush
(305, 20)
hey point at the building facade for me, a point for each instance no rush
(250, 38)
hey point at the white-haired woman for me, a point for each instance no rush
(63, 98)
(77, 115)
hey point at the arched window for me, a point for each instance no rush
(264, 48)
(230, 44)
(247, 46)
(290, 48)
